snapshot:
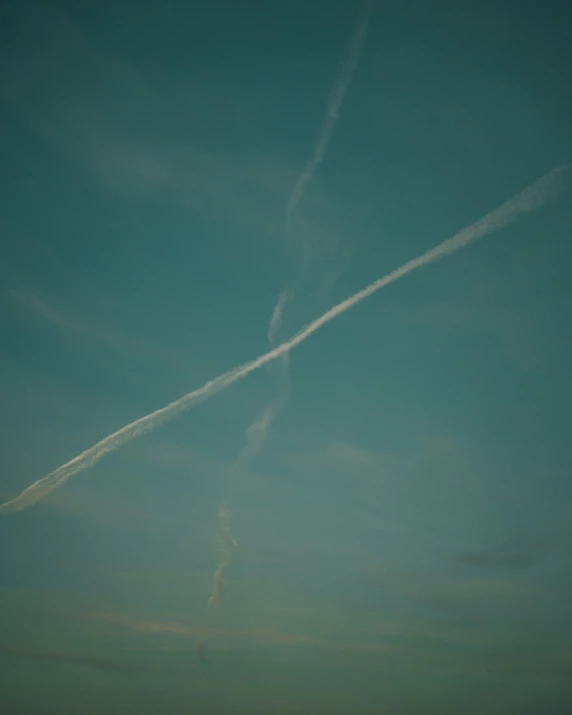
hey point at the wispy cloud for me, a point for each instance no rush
(531, 198)
(32, 302)
(86, 328)
(137, 139)
(517, 553)
(263, 636)
(400, 644)
(35, 304)
(259, 636)
(67, 658)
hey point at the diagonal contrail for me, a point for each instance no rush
(531, 198)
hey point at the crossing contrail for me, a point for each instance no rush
(531, 198)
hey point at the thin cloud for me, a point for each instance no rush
(399, 644)
(252, 636)
(118, 341)
(261, 636)
(531, 198)
(68, 658)
(515, 554)
(32, 302)
(137, 139)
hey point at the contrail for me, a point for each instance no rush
(258, 431)
(531, 198)
(276, 319)
(254, 441)
(337, 95)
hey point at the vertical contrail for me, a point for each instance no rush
(276, 319)
(533, 197)
(257, 432)
(254, 441)
(337, 94)
(336, 98)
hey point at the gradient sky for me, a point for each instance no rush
(404, 532)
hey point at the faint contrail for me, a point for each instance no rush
(276, 319)
(254, 441)
(334, 103)
(258, 430)
(533, 197)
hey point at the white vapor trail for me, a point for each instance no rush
(337, 95)
(276, 319)
(531, 198)
(257, 432)
(254, 441)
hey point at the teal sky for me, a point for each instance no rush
(404, 532)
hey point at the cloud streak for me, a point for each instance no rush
(84, 661)
(531, 198)
(519, 553)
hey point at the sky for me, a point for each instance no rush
(375, 518)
